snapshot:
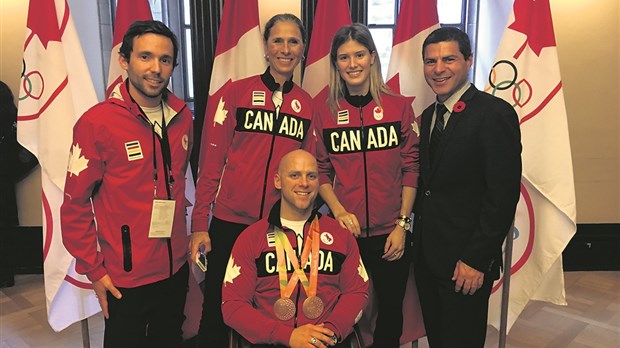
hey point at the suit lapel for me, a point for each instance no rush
(451, 126)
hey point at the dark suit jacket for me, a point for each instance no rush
(466, 200)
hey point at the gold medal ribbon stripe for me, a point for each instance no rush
(283, 246)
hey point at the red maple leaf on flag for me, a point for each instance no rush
(533, 18)
(394, 84)
(43, 21)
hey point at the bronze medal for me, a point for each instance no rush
(284, 308)
(313, 307)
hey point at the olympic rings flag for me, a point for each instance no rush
(56, 89)
(526, 74)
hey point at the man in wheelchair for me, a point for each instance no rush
(295, 278)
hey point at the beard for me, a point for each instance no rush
(145, 90)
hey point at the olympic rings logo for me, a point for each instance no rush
(31, 81)
(505, 67)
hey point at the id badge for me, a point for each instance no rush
(162, 217)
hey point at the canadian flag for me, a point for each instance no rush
(56, 89)
(416, 20)
(239, 37)
(127, 11)
(526, 74)
(328, 18)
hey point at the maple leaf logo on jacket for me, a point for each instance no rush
(232, 271)
(361, 270)
(77, 162)
(220, 113)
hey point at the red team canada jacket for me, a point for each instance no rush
(112, 164)
(368, 153)
(251, 284)
(242, 144)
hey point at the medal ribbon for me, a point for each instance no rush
(283, 246)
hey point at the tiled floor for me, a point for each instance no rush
(23, 319)
(591, 319)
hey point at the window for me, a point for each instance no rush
(451, 13)
(382, 15)
(187, 44)
(157, 9)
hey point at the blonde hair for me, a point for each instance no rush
(337, 87)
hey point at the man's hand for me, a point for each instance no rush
(308, 336)
(467, 278)
(394, 247)
(198, 239)
(102, 286)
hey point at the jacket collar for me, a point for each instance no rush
(455, 117)
(357, 100)
(274, 215)
(271, 83)
(469, 93)
(120, 96)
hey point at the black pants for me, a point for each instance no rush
(451, 319)
(389, 279)
(148, 316)
(212, 331)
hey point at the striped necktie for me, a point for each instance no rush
(437, 132)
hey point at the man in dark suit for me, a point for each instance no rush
(470, 171)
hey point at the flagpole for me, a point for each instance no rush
(503, 321)
(85, 333)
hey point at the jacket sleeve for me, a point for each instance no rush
(309, 142)
(326, 170)
(354, 296)
(217, 133)
(84, 175)
(500, 146)
(238, 290)
(409, 149)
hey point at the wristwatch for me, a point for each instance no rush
(404, 222)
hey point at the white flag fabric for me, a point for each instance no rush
(127, 11)
(492, 18)
(526, 74)
(239, 38)
(56, 91)
(416, 20)
(329, 16)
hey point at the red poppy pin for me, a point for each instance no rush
(459, 106)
